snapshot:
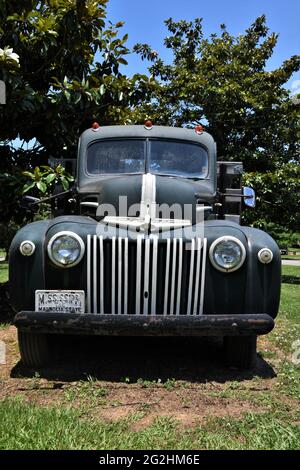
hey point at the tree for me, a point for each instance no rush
(60, 61)
(222, 83)
(68, 71)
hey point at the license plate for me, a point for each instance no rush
(60, 301)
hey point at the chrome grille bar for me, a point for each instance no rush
(191, 278)
(95, 275)
(88, 287)
(183, 278)
(199, 243)
(203, 276)
(167, 276)
(146, 276)
(179, 282)
(126, 277)
(154, 276)
(120, 267)
(173, 276)
(113, 276)
(101, 256)
(138, 275)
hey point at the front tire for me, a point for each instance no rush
(34, 349)
(240, 351)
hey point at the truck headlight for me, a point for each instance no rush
(227, 254)
(66, 249)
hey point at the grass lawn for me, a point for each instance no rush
(3, 272)
(215, 409)
(27, 426)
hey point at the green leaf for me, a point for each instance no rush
(27, 173)
(122, 61)
(65, 183)
(41, 186)
(50, 178)
(27, 187)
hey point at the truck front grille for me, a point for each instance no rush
(145, 276)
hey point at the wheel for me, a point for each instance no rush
(240, 351)
(34, 348)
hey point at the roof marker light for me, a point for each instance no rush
(199, 129)
(95, 126)
(148, 125)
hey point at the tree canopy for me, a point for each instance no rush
(60, 60)
(67, 74)
(222, 82)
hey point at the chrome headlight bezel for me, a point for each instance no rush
(226, 239)
(71, 235)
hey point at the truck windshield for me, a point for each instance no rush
(164, 157)
(178, 158)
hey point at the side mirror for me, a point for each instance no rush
(29, 202)
(249, 197)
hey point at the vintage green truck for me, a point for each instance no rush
(148, 242)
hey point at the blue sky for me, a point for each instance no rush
(145, 22)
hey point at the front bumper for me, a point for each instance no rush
(132, 325)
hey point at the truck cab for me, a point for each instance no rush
(152, 246)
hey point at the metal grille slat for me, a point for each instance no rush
(179, 276)
(126, 277)
(197, 280)
(168, 277)
(101, 256)
(89, 273)
(191, 278)
(138, 275)
(113, 276)
(173, 278)
(154, 276)
(203, 276)
(146, 276)
(95, 275)
(120, 268)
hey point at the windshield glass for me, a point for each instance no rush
(178, 158)
(164, 157)
(116, 156)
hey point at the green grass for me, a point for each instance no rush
(275, 424)
(291, 271)
(290, 294)
(26, 426)
(3, 272)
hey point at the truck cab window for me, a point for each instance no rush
(135, 156)
(116, 156)
(178, 158)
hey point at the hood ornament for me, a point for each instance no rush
(147, 222)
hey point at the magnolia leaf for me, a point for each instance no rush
(41, 186)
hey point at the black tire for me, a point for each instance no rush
(34, 349)
(240, 351)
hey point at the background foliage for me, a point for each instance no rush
(61, 62)
(222, 83)
(65, 75)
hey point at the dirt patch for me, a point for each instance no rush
(185, 405)
(196, 389)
